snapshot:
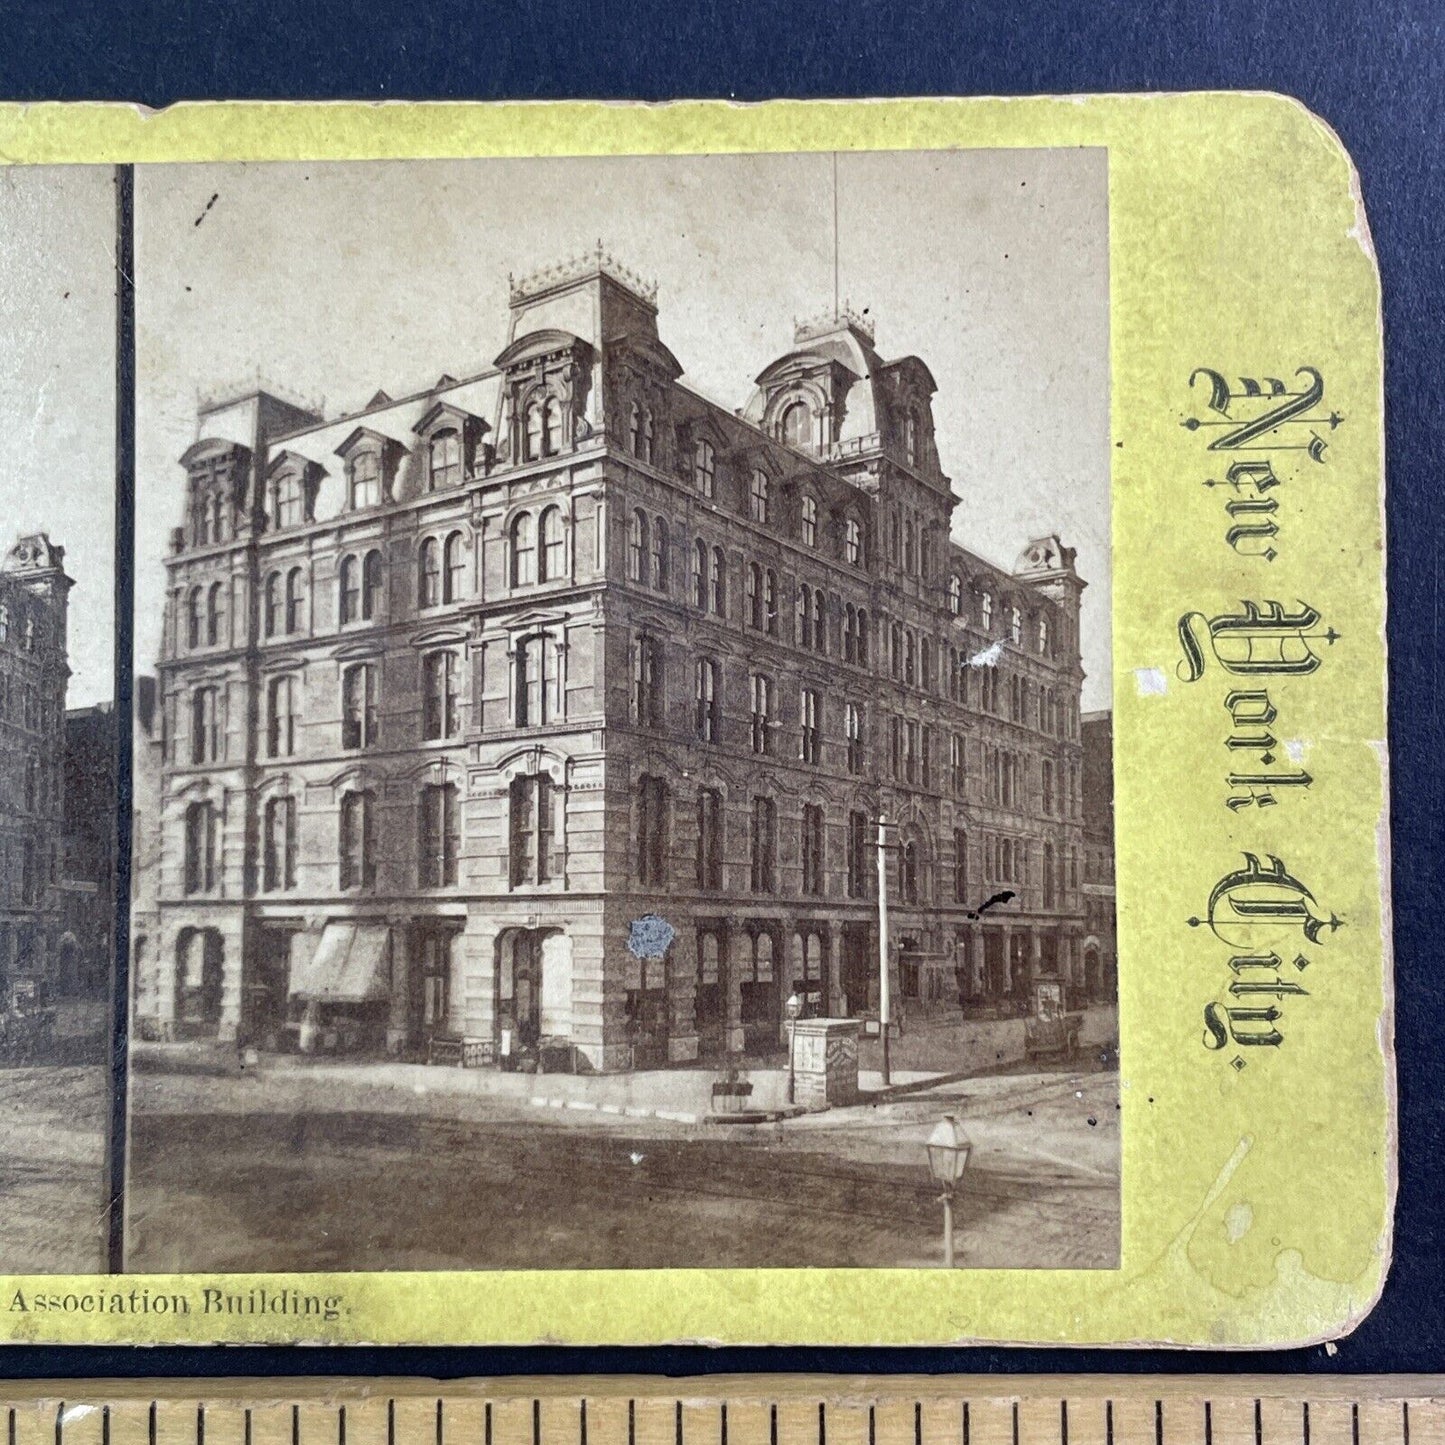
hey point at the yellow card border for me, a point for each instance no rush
(1257, 1201)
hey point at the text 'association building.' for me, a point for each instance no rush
(454, 690)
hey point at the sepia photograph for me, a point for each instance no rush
(623, 748)
(58, 739)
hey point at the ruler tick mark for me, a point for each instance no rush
(1258, 1423)
(966, 1425)
(1063, 1422)
(341, 1426)
(676, 1422)
(1109, 1423)
(487, 1424)
(1305, 1420)
(1159, 1422)
(1016, 1422)
(917, 1423)
(296, 1425)
(1355, 1423)
(1405, 1421)
(581, 1421)
(823, 1427)
(536, 1422)
(1208, 1423)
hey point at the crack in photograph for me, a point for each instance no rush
(623, 752)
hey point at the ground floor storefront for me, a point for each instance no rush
(568, 989)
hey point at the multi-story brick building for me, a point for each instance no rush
(454, 690)
(88, 868)
(34, 603)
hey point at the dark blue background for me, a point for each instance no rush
(1375, 72)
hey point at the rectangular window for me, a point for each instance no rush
(205, 725)
(853, 722)
(358, 860)
(439, 696)
(708, 700)
(910, 751)
(439, 835)
(709, 839)
(762, 699)
(534, 835)
(647, 693)
(358, 706)
(812, 850)
(200, 848)
(279, 863)
(956, 768)
(281, 722)
(960, 866)
(651, 830)
(810, 709)
(764, 849)
(857, 855)
(925, 756)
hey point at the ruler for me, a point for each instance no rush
(737, 1410)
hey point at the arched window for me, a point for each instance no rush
(911, 431)
(853, 542)
(910, 656)
(719, 582)
(552, 427)
(820, 629)
(704, 469)
(217, 518)
(761, 688)
(708, 697)
(659, 554)
(446, 458)
(350, 590)
(804, 621)
(281, 717)
(634, 429)
(797, 425)
(524, 551)
(1043, 634)
(862, 637)
(371, 585)
(365, 480)
(810, 520)
(279, 831)
(440, 710)
(193, 618)
(293, 600)
(1015, 625)
(955, 594)
(4, 622)
(638, 535)
(429, 574)
(985, 611)
(646, 453)
(758, 492)
(850, 633)
(454, 568)
(908, 545)
(554, 546)
(755, 596)
(532, 445)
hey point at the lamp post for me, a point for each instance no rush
(948, 1150)
(883, 1000)
(794, 1007)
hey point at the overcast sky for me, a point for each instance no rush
(57, 392)
(331, 281)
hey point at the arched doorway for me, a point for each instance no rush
(534, 990)
(200, 980)
(1093, 972)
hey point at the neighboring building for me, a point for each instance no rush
(83, 963)
(34, 593)
(454, 690)
(145, 854)
(1101, 948)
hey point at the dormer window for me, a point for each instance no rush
(912, 436)
(853, 542)
(797, 425)
(535, 431)
(640, 432)
(445, 455)
(552, 427)
(810, 520)
(704, 469)
(364, 472)
(287, 506)
(758, 496)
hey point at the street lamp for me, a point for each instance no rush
(793, 1008)
(948, 1151)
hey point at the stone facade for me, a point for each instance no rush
(453, 690)
(34, 602)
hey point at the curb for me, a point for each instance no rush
(630, 1111)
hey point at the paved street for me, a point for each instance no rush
(52, 1169)
(297, 1172)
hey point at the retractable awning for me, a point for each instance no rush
(350, 964)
